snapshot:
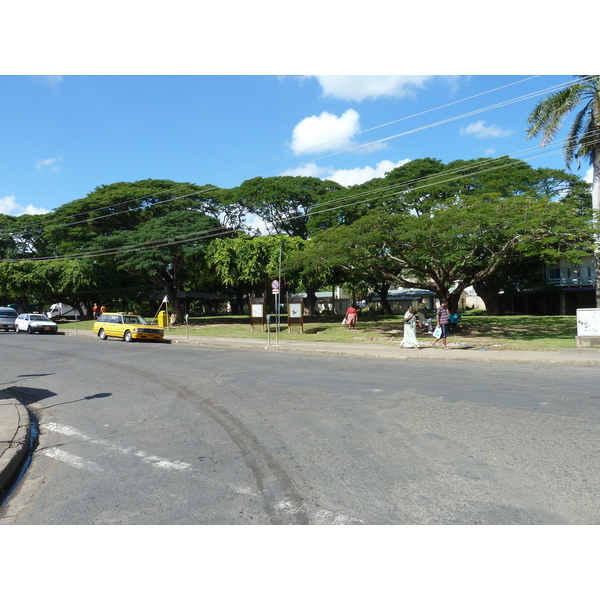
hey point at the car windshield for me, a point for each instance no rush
(39, 318)
(134, 319)
(6, 313)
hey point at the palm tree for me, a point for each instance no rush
(584, 136)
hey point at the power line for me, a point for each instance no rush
(197, 192)
(151, 244)
(357, 147)
(337, 204)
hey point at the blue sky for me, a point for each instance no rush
(62, 136)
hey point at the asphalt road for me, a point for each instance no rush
(170, 434)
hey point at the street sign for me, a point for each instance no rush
(275, 285)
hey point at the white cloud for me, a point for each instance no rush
(308, 170)
(255, 222)
(48, 163)
(347, 177)
(482, 131)
(361, 87)
(325, 133)
(10, 206)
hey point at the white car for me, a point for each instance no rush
(33, 322)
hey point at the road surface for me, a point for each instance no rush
(168, 434)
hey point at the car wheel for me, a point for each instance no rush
(17, 330)
(102, 334)
(29, 330)
(127, 336)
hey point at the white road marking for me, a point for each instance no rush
(323, 517)
(326, 517)
(161, 463)
(71, 459)
(155, 461)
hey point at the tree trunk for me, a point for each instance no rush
(453, 300)
(596, 217)
(490, 294)
(237, 304)
(22, 304)
(311, 302)
(382, 291)
(177, 306)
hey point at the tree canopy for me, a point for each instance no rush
(458, 226)
(426, 224)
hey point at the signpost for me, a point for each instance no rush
(257, 313)
(295, 313)
(275, 290)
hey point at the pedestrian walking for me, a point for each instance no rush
(410, 330)
(443, 318)
(351, 317)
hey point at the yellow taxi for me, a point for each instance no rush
(126, 326)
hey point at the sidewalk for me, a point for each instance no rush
(14, 418)
(392, 351)
(15, 431)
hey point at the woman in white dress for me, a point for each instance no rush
(410, 330)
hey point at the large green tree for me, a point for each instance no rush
(124, 206)
(164, 251)
(582, 97)
(336, 257)
(146, 229)
(459, 227)
(246, 264)
(282, 203)
(344, 206)
(47, 281)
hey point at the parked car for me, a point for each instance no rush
(33, 322)
(7, 318)
(126, 326)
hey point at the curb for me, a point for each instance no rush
(581, 357)
(573, 357)
(16, 448)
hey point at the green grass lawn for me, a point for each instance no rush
(511, 332)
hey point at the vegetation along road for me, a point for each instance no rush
(169, 434)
